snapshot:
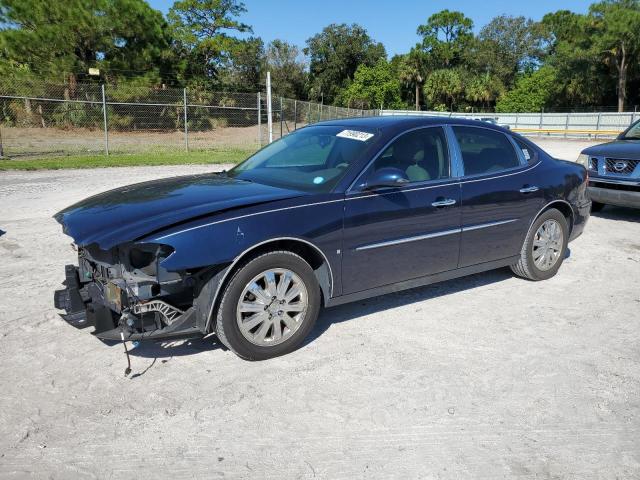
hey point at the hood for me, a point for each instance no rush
(628, 149)
(128, 213)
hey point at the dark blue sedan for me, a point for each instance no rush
(332, 213)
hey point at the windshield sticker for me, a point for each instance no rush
(526, 154)
(355, 135)
(318, 180)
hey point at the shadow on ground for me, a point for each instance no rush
(611, 212)
(343, 313)
(369, 306)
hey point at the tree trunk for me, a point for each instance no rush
(622, 88)
(417, 97)
(622, 80)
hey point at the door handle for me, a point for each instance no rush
(444, 203)
(530, 189)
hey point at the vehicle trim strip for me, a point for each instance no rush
(408, 239)
(427, 236)
(487, 225)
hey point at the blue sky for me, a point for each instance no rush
(391, 22)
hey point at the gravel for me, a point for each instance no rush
(489, 376)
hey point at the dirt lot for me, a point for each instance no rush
(484, 377)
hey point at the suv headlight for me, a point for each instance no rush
(583, 160)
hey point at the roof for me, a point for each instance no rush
(402, 122)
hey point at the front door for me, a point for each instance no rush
(400, 233)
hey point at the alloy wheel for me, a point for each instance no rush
(547, 245)
(272, 307)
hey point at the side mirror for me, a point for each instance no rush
(386, 177)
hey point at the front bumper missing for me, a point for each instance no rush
(82, 312)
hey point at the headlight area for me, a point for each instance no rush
(127, 290)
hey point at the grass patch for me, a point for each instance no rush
(127, 160)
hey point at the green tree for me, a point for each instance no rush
(123, 37)
(445, 88)
(243, 68)
(507, 46)
(532, 92)
(445, 37)
(287, 67)
(413, 71)
(616, 40)
(334, 56)
(581, 78)
(202, 40)
(373, 87)
(483, 90)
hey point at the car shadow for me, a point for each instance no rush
(372, 305)
(166, 349)
(611, 212)
(174, 348)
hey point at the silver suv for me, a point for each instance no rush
(614, 170)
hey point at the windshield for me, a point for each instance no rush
(312, 159)
(633, 133)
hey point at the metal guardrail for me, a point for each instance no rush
(565, 125)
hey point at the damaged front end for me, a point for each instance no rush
(126, 289)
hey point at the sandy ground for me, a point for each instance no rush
(488, 377)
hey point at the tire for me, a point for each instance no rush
(527, 266)
(262, 341)
(597, 206)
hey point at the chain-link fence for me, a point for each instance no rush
(563, 125)
(44, 119)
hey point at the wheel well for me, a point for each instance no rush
(563, 208)
(311, 254)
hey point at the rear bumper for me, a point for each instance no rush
(580, 219)
(81, 311)
(615, 196)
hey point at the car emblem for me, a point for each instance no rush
(620, 165)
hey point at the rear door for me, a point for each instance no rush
(499, 195)
(396, 234)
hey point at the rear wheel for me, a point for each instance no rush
(544, 248)
(597, 206)
(269, 306)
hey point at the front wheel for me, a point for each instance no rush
(269, 306)
(544, 248)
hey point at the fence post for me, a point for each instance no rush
(540, 125)
(516, 125)
(104, 119)
(259, 121)
(295, 114)
(269, 112)
(281, 116)
(598, 124)
(186, 128)
(566, 125)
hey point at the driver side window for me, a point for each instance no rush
(421, 155)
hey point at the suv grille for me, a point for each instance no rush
(593, 164)
(620, 166)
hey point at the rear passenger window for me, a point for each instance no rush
(528, 153)
(485, 151)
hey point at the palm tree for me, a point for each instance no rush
(484, 89)
(413, 71)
